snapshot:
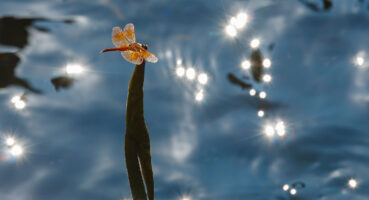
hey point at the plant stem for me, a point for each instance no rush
(137, 140)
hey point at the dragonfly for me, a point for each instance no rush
(125, 42)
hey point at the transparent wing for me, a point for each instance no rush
(149, 57)
(129, 33)
(118, 37)
(132, 57)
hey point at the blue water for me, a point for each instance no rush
(72, 138)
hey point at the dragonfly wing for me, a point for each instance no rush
(129, 33)
(132, 57)
(149, 57)
(118, 37)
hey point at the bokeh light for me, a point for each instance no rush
(255, 43)
(240, 20)
(280, 128)
(199, 96)
(203, 78)
(179, 61)
(20, 105)
(267, 63)
(15, 99)
(269, 131)
(231, 30)
(359, 60)
(252, 92)
(185, 198)
(293, 191)
(180, 71)
(246, 64)
(190, 73)
(352, 183)
(10, 141)
(267, 78)
(286, 187)
(262, 95)
(261, 113)
(74, 69)
(18, 102)
(16, 151)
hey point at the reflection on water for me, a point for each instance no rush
(323, 5)
(19, 102)
(8, 64)
(257, 65)
(255, 43)
(236, 81)
(352, 183)
(14, 31)
(13, 148)
(222, 140)
(62, 82)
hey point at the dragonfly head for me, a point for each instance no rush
(144, 46)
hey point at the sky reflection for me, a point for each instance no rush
(209, 137)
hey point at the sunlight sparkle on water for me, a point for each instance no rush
(293, 191)
(190, 73)
(285, 187)
(352, 183)
(267, 78)
(179, 62)
(359, 61)
(262, 95)
(269, 131)
(185, 198)
(16, 151)
(180, 71)
(261, 113)
(252, 92)
(20, 105)
(267, 63)
(240, 20)
(15, 99)
(246, 64)
(255, 43)
(280, 128)
(199, 96)
(202, 78)
(231, 30)
(74, 69)
(10, 141)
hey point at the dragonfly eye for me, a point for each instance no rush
(144, 46)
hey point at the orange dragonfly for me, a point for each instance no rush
(125, 42)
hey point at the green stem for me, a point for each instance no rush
(137, 140)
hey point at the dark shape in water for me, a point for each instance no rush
(310, 5)
(137, 140)
(24, 96)
(62, 82)
(257, 65)
(298, 184)
(14, 31)
(327, 5)
(234, 80)
(8, 63)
